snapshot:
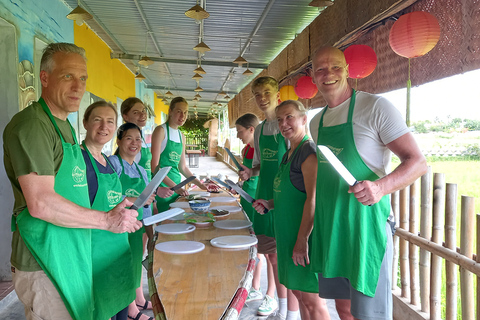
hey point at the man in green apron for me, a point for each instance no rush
(352, 240)
(52, 220)
(269, 146)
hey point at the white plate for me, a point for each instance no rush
(232, 224)
(175, 228)
(234, 242)
(180, 247)
(222, 199)
(183, 205)
(165, 215)
(200, 193)
(228, 208)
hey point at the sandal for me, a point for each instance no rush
(139, 315)
(145, 306)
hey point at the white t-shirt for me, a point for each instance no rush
(376, 123)
(270, 128)
(174, 136)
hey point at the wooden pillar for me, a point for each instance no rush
(413, 249)
(451, 243)
(404, 274)
(437, 233)
(466, 248)
(425, 232)
(395, 207)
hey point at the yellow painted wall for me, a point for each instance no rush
(158, 108)
(107, 78)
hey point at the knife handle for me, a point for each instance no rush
(265, 210)
(133, 207)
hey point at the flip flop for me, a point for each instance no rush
(144, 307)
(139, 315)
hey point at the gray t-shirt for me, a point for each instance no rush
(296, 175)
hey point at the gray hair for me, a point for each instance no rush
(47, 62)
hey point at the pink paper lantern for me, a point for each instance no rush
(305, 88)
(361, 60)
(414, 34)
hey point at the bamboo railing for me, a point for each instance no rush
(421, 249)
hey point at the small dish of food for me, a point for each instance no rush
(220, 214)
(199, 205)
(201, 220)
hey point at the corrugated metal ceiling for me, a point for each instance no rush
(259, 29)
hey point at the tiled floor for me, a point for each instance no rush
(5, 288)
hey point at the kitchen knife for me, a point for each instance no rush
(234, 159)
(337, 165)
(220, 182)
(184, 182)
(242, 192)
(150, 188)
(156, 218)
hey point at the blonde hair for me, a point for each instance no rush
(173, 103)
(299, 107)
(263, 81)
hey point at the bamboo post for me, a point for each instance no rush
(425, 232)
(451, 243)
(436, 270)
(394, 203)
(413, 249)
(466, 248)
(478, 260)
(403, 243)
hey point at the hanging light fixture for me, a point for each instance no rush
(165, 101)
(197, 12)
(240, 61)
(146, 61)
(197, 77)
(247, 72)
(195, 99)
(139, 76)
(198, 89)
(222, 93)
(79, 15)
(201, 47)
(320, 3)
(198, 96)
(227, 97)
(168, 94)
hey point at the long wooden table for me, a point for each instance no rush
(209, 285)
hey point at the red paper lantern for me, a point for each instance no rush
(288, 93)
(361, 60)
(305, 88)
(414, 34)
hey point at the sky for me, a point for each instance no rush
(455, 97)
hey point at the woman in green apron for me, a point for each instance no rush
(133, 110)
(134, 179)
(294, 203)
(245, 126)
(113, 282)
(168, 149)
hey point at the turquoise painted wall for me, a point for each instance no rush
(42, 18)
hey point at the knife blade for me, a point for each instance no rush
(184, 182)
(242, 193)
(156, 218)
(220, 182)
(337, 165)
(150, 188)
(234, 159)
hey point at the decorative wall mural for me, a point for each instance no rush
(26, 84)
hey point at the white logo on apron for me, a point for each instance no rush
(114, 197)
(269, 154)
(174, 157)
(78, 174)
(132, 193)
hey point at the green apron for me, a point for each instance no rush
(146, 160)
(133, 187)
(170, 157)
(250, 186)
(349, 238)
(113, 282)
(65, 254)
(289, 203)
(272, 149)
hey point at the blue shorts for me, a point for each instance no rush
(363, 306)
